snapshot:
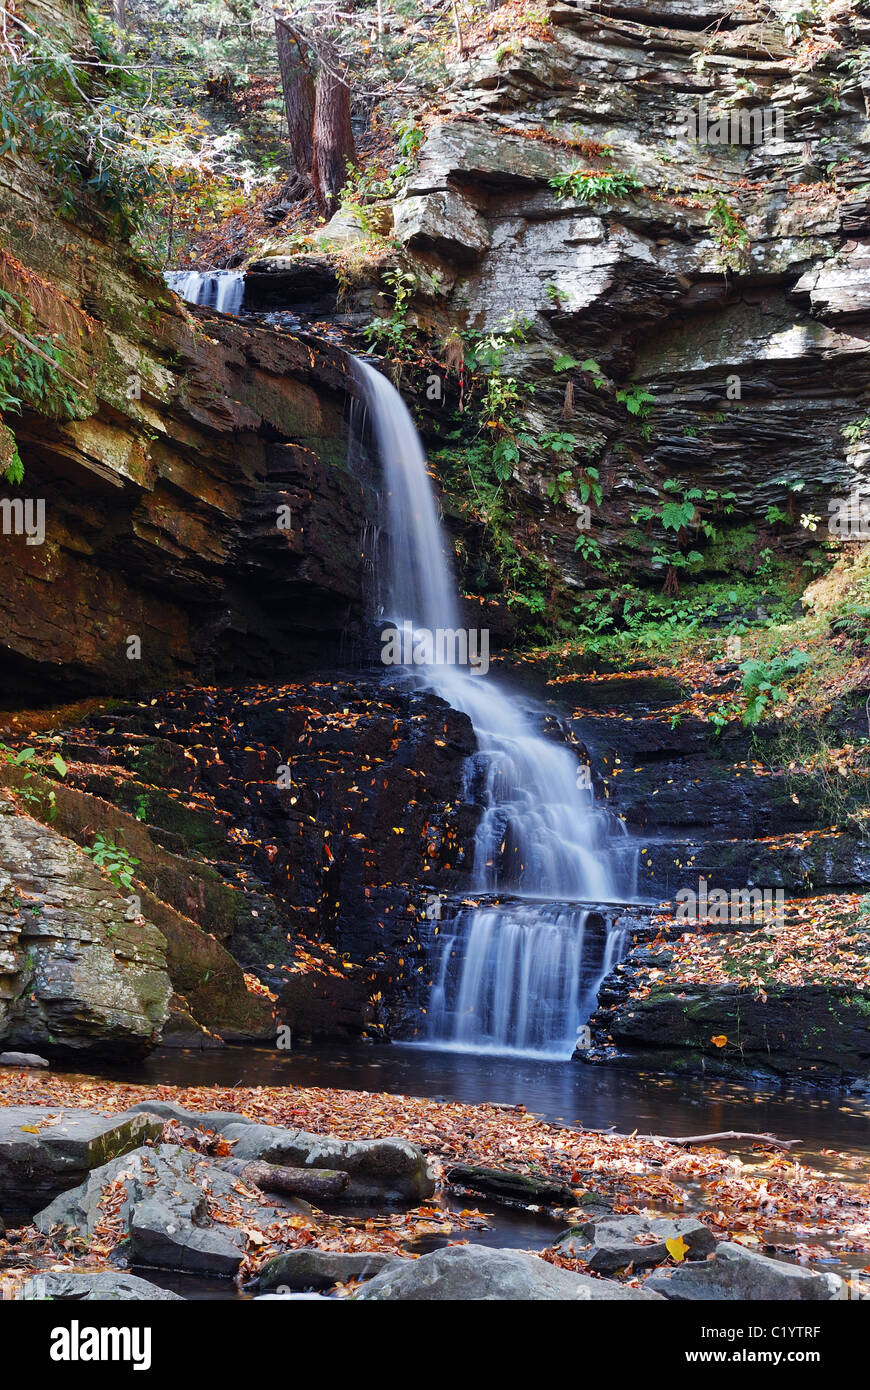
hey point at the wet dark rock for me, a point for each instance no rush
(477, 1273)
(44, 1152)
(320, 860)
(516, 1187)
(299, 1270)
(301, 284)
(736, 1273)
(817, 1034)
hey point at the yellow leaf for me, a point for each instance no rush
(719, 1041)
(677, 1248)
(30, 1129)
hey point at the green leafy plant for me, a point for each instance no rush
(762, 682)
(392, 333)
(636, 400)
(555, 296)
(729, 233)
(595, 185)
(32, 374)
(856, 429)
(589, 549)
(42, 800)
(117, 862)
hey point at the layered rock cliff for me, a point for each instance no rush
(678, 194)
(195, 489)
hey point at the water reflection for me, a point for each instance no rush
(567, 1092)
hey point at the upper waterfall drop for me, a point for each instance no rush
(521, 975)
(420, 585)
(223, 290)
(540, 834)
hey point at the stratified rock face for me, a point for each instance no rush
(164, 496)
(756, 355)
(76, 976)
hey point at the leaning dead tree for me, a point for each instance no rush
(317, 111)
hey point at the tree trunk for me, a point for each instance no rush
(316, 1183)
(298, 86)
(333, 136)
(119, 13)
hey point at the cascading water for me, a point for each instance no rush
(521, 975)
(214, 289)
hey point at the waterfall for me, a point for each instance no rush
(214, 289)
(522, 975)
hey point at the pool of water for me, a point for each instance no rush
(562, 1092)
(567, 1092)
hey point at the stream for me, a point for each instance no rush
(562, 1092)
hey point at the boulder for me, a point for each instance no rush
(45, 1151)
(441, 221)
(76, 976)
(612, 1243)
(304, 1269)
(69, 1287)
(736, 1273)
(165, 1210)
(380, 1170)
(22, 1059)
(478, 1273)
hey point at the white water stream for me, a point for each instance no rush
(214, 289)
(521, 975)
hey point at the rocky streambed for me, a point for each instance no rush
(126, 1191)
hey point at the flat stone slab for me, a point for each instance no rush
(164, 1208)
(45, 1150)
(737, 1273)
(91, 1288)
(478, 1273)
(391, 1171)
